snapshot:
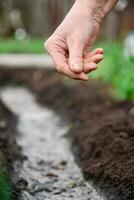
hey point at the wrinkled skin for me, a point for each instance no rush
(70, 45)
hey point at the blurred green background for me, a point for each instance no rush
(117, 70)
(28, 45)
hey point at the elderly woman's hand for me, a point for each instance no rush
(70, 45)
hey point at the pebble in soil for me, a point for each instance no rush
(49, 170)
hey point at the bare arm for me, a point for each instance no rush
(99, 8)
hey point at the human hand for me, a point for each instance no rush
(70, 45)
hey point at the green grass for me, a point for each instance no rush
(116, 70)
(5, 188)
(30, 45)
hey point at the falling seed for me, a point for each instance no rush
(72, 185)
(3, 124)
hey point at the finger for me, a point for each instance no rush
(89, 67)
(95, 59)
(88, 54)
(62, 66)
(97, 51)
(75, 56)
(66, 71)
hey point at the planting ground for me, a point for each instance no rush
(100, 130)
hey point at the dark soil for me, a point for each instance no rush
(102, 130)
(9, 153)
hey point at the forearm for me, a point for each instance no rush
(98, 8)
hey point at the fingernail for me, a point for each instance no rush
(85, 78)
(77, 67)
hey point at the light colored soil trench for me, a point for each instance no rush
(50, 169)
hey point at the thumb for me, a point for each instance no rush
(75, 57)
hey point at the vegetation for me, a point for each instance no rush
(30, 45)
(117, 70)
(5, 189)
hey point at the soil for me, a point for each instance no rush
(9, 151)
(102, 129)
